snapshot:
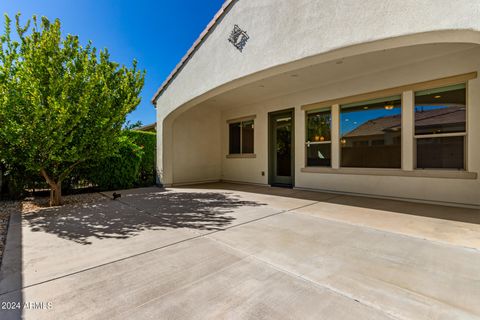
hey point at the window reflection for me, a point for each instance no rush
(318, 126)
(441, 153)
(247, 136)
(318, 136)
(234, 138)
(440, 110)
(371, 133)
(440, 127)
(319, 155)
(241, 137)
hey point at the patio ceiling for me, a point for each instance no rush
(330, 72)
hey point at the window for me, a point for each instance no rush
(318, 144)
(241, 137)
(440, 127)
(371, 133)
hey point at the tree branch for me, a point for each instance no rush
(68, 170)
(47, 178)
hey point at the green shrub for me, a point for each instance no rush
(120, 171)
(147, 142)
(132, 166)
(14, 180)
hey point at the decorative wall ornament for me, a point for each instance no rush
(238, 38)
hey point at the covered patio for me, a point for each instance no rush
(227, 134)
(240, 251)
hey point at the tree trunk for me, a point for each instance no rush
(55, 189)
(56, 194)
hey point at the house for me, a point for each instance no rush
(378, 98)
(148, 128)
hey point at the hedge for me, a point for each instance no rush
(133, 166)
(147, 141)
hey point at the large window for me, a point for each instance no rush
(318, 144)
(241, 137)
(440, 127)
(371, 133)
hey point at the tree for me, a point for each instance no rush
(61, 103)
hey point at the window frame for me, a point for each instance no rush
(241, 121)
(307, 143)
(409, 139)
(464, 134)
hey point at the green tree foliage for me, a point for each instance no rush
(147, 141)
(133, 166)
(61, 103)
(120, 171)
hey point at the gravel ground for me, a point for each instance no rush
(6, 208)
(34, 204)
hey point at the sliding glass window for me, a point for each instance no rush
(318, 138)
(371, 133)
(440, 127)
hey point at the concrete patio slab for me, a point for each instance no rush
(253, 290)
(403, 276)
(449, 225)
(213, 251)
(55, 243)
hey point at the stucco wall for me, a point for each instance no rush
(433, 189)
(196, 156)
(282, 31)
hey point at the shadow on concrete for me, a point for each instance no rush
(129, 216)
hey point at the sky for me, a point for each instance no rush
(157, 33)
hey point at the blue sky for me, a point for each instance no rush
(156, 33)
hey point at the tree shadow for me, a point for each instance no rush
(130, 215)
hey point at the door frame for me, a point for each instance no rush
(271, 147)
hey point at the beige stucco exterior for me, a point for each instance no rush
(304, 52)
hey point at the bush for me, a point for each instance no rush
(120, 171)
(133, 166)
(13, 182)
(147, 141)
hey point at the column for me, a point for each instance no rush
(408, 129)
(335, 136)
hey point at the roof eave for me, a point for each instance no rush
(192, 50)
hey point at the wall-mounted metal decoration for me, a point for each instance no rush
(238, 38)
